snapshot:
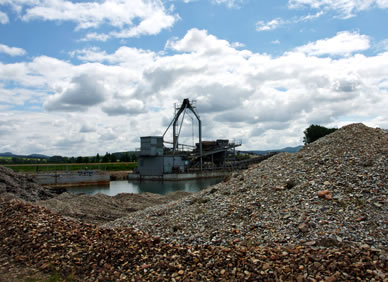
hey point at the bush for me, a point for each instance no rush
(314, 132)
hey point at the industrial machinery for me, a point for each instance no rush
(157, 157)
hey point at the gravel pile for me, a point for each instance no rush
(16, 185)
(332, 192)
(34, 237)
(100, 208)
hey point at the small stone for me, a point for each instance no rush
(329, 196)
(365, 247)
(361, 218)
(323, 193)
(287, 269)
(310, 243)
(331, 279)
(290, 183)
(303, 227)
(266, 266)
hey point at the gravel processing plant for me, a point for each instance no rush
(317, 215)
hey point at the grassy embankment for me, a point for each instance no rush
(118, 166)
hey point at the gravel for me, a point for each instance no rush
(36, 238)
(101, 208)
(24, 187)
(333, 191)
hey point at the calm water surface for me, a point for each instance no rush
(136, 187)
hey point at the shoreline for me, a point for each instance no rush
(63, 179)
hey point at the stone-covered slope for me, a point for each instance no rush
(331, 192)
(16, 185)
(34, 237)
(101, 208)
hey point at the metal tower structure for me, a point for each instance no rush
(186, 104)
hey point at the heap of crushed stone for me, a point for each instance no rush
(332, 192)
(13, 184)
(101, 208)
(34, 237)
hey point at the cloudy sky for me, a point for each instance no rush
(86, 77)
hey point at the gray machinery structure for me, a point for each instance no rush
(155, 159)
(185, 105)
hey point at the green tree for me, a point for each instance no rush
(314, 132)
(56, 159)
(106, 158)
(124, 157)
(15, 160)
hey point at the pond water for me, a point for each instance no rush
(137, 187)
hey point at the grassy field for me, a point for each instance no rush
(10, 158)
(66, 167)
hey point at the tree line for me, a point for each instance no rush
(107, 158)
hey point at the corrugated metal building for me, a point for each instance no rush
(153, 162)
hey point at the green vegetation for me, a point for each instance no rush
(117, 166)
(314, 132)
(108, 158)
(111, 161)
(17, 160)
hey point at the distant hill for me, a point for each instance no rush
(32, 156)
(287, 149)
(39, 156)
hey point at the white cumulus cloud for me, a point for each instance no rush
(128, 18)
(114, 98)
(344, 8)
(382, 4)
(272, 24)
(343, 44)
(12, 51)
(197, 40)
(3, 18)
(83, 91)
(229, 3)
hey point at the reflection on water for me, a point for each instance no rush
(136, 187)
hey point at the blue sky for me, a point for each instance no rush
(84, 77)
